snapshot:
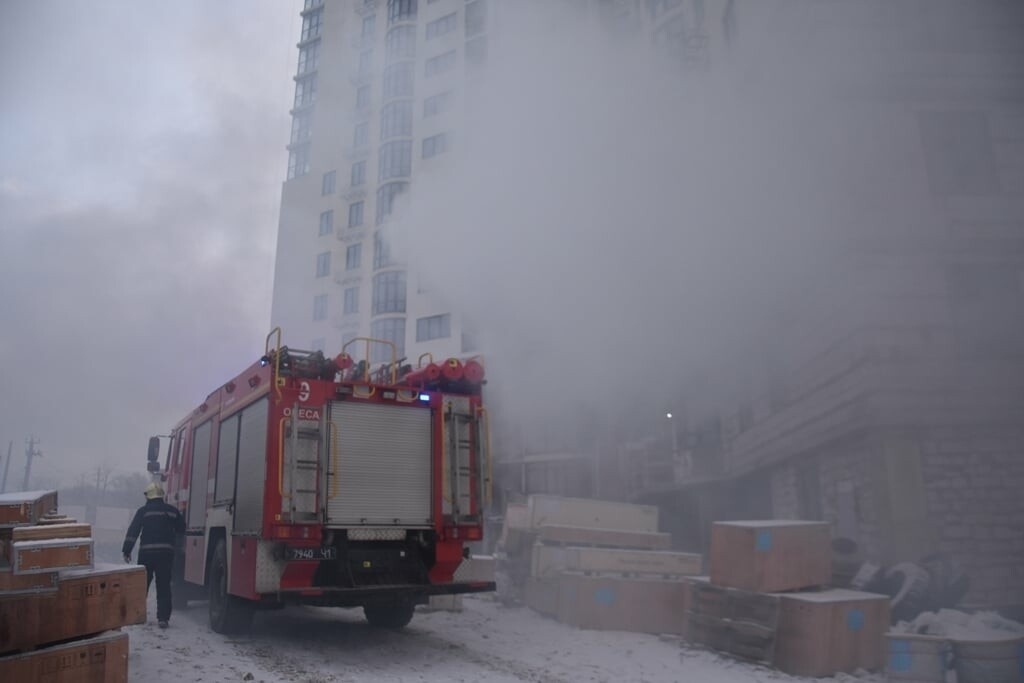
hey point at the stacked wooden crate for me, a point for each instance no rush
(603, 565)
(767, 599)
(59, 614)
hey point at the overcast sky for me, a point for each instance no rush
(142, 150)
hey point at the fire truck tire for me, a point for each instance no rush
(395, 616)
(228, 613)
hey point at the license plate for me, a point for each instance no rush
(329, 553)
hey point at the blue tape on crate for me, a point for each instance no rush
(900, 658)
(605, 596)
(901, 661)
(855, 619)
(764, 541)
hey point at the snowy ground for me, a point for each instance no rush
(485, 642)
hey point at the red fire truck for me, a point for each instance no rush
(323, 481)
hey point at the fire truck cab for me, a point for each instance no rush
(316, 480)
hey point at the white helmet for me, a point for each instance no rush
(154, 490)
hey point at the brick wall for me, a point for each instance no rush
(974, 480)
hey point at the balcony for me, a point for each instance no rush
(354, 194)
(348, 235)
(348, 278)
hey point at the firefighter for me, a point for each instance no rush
(159, 524)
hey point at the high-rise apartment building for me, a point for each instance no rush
(378, 89)
(380, 86)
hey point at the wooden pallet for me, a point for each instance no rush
(19, 584)
(26, 507)
(102, 659)
(49, 531)
(608, 538)
(84, 603)
(54, 554)
(550, 560)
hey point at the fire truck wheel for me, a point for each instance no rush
(389, 616)
(228, 613)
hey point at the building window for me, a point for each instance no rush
(476, 17)
(396, 120)
(318, 344)
(395, 160)
(311, 24)
(439, 27)
(358, 173)
(328, 183)
(320, 307)
(476, 51)
(351, 300)
(353, 256)
(401, 10)
(437, 104)
(468, 342)
(309, 58)
(434, 327)
(305, 91)
(388, 329)
(958, 151)
(434, 145)
(386, 199)
(398, 80)
(310, 4)
(365, 63)
(440, 64)
(323, 264)
(298, 162)
(355, 214)
(400, 43)
(301, 124)
(326, 222)
(381, 252)
(389, 292)
(369, 26)
(363, 97)
(361, 135)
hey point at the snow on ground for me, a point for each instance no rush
(485, 642)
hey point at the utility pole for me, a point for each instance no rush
(30, 452)
(7, 466)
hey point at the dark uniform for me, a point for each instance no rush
(159, 524)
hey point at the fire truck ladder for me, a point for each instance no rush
(462, 430)
(303, 457)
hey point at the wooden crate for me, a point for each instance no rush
(612, 538)
(18, 584)
(25, 507)
(589, 513)
(542, 596)
(719, 602)
(84, 603)
(102, 659)
(50, 531)
(827, 632)
(54, 554)
(610, 603)
(741, 639)
(552, 560)
(770, 556)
